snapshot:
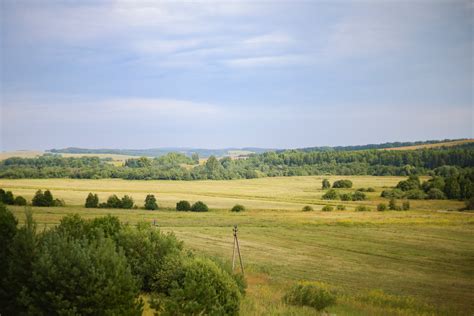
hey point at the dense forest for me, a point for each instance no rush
(174, 166)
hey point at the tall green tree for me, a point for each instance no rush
(92, 201)
(150, 202)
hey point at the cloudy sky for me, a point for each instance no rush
(286, 74)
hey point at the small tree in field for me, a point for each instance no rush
(150, 202)
(327, 208)
(331, 195)
(183, 206)
(19, 200)
(238, 208)
(38, 199)
(127, 202)
(326, 184)
(92, 201)
(48, 198)
(199, 206)
(307, 208)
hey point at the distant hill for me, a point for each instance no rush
(451, 143)
(157, 152)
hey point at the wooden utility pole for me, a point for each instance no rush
(236, 245)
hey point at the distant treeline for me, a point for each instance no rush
(378, 146)
(176, 166)
(158, 152)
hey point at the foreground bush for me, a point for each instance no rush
(196, 286)
(183, 206)
(312, 294)
(72, 276)
(238, 208)
(199, 207)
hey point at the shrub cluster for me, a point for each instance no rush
(113, 201)
(334, 195)
(342, 184)
(313, 294)
(46, 199)
(7, 198)
(101, 267)
(199, 206)
(237, 208)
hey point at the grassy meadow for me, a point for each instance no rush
(381, 263)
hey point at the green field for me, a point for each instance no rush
(422, 259)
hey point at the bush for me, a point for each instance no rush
(395, 193)
(436, 194)
(406, 205)
(307, 208)
(197, 286)
(413, 183)
(392, 205)
(127, 202)
(59, 202)
(238, 208)
(92, 201)
(370, 189)
(326, 184)
(416, 194)
(382, 207)
(330, 195)
(114, 202)
(150, 202)
(183, 206)
(358, 196)
(341, 207)
(339, 184)
(6, 197)
(327, 208)
(43, 199)
(199, 206)
(312, 294)
(345, 197)
(362, 208)
(19, 200)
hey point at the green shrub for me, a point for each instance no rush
(92, 201)
(358, 196)
(345, 197)
(326, 184)
(114, 202)
(183, 206)
(150, 202)
(330, 195)
(412, 183)
(436, 194)
(196, 286)
(312, 294)
(395, 193)
(382, 207)
(199, 206)
(340, 184)
(370, 189)
(341, 207)
(238, 208)
(59, 202)
(362, 208)
(416, 194)
(327, 208)
(307, 208)
(6, 197)
(392, 205)
(127, 202)
(19, 200)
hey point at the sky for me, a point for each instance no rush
(214, 74)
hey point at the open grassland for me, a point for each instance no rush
(426, 146)
(422, 259)
(20, 153)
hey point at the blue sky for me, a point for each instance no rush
(285, 74)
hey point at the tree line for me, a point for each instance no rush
(175, 166)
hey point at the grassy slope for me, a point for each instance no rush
(426, 253)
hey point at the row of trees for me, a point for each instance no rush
(7, 198)
(102, 267)
(286, 163)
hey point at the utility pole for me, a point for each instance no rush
(236, 245)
